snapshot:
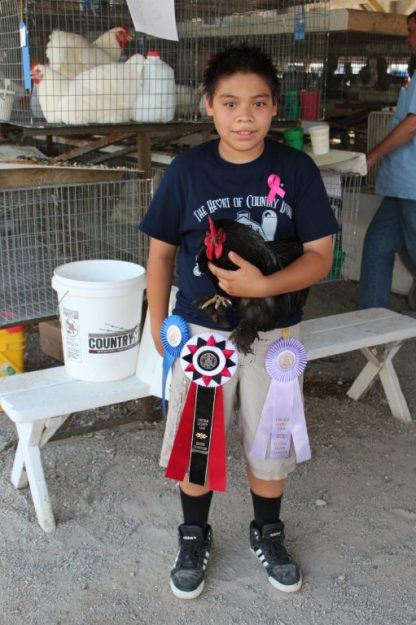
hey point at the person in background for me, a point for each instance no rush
(227, 178)
(394, 225)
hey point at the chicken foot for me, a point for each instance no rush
(215, 306)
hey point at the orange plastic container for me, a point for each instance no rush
(12, 350)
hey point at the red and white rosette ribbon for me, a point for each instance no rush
(283, 418)
(199, 449)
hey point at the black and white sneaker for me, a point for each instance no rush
(187, 574)
(282, 571)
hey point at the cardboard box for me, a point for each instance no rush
(51, 339)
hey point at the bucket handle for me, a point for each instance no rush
(5, 92)
(59, 303)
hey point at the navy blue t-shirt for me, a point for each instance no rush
(199, 183)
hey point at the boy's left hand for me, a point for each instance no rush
(246, 281)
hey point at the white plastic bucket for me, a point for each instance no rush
(156, 100)
(100, 305)
(6, 104)
(320, 139)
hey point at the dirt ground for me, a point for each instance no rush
(350, 515)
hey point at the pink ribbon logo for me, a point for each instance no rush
(273, 182)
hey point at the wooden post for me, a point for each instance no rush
(144, 153)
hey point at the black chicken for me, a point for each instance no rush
(269, 256)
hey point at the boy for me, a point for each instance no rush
(228, 178)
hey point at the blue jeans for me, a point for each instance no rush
(393, 228)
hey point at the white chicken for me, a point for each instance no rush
(70, 54)
(202, 109)
(51, 87)
(187, 101)
(103, 94)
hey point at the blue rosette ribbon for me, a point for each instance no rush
(283, 419)
(174, 334)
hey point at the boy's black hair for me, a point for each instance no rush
(411, 17)
(242, 59)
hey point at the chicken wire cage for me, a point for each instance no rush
(77, 62)
(366, 68)
(343, 190)
(377, 128)
(44, 227)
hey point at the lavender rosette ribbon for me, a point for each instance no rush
(174, 334)
(283, 418)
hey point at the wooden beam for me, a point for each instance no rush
(102, 129)
(144, 153)
(375, 5)
(95, 144)
(367, 22)
(38, 175)
(382, 6)
(403, 6)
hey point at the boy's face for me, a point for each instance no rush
(242, 109)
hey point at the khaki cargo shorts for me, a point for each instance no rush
(244, 397)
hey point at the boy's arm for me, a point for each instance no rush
(159, 269)
(248, 281)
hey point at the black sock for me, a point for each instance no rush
(266, 510)
(196, 509)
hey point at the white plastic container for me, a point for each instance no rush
(156, 101)
(100, 305)
(6, 104)
(319, 139)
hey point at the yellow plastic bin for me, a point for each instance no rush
(12, 350)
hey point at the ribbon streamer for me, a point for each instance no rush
(199, 448)
(273, 182)
(174, 334)
(283, 419)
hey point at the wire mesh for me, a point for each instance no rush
(343, 190)
(377, 129)
(43, 227)
(81, 76)
(367, 68)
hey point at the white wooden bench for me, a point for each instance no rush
(39, 402)
(365, 329)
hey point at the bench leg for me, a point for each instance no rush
(49, 427)
(19, 477)
(382, 365)
(28, 458)
(52, 425)
(394, 394)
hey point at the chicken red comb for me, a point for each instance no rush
(122, 35)
(127, 32)
(35, 73)
(212, 229)
(214, 240)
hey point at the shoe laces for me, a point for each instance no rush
(190, 554)
(276, 550)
